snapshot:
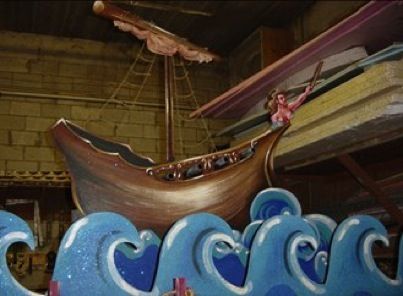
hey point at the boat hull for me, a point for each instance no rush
(104, 181)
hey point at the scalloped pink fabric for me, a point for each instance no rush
(163, 45)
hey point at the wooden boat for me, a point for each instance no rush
(108, 176)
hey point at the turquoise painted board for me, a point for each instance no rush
(245, 124)
(281, 252)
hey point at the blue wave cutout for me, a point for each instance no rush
(281, 252)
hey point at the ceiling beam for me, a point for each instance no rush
(164, 7)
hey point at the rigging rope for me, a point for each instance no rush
(193, 96)
(145, 75)
(148, 74)
(115, 92)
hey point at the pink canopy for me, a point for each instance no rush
(158, 40)
(163, 45)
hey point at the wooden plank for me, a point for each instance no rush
(244, 124)
(364, 111)
(331, 64)
(393, 52)
(261, 118)
(370, 185)
(250, 133)
(372, 25)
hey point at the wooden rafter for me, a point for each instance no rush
(164, 7)
(372, 187)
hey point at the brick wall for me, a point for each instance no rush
(44, 78)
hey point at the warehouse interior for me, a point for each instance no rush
(341, 156)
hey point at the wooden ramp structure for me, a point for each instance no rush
(364, 111)
(375, 25)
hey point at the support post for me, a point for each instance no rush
(54, 288)
(180, 286)
(370, 185)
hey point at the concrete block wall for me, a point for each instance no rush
(44, 78)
